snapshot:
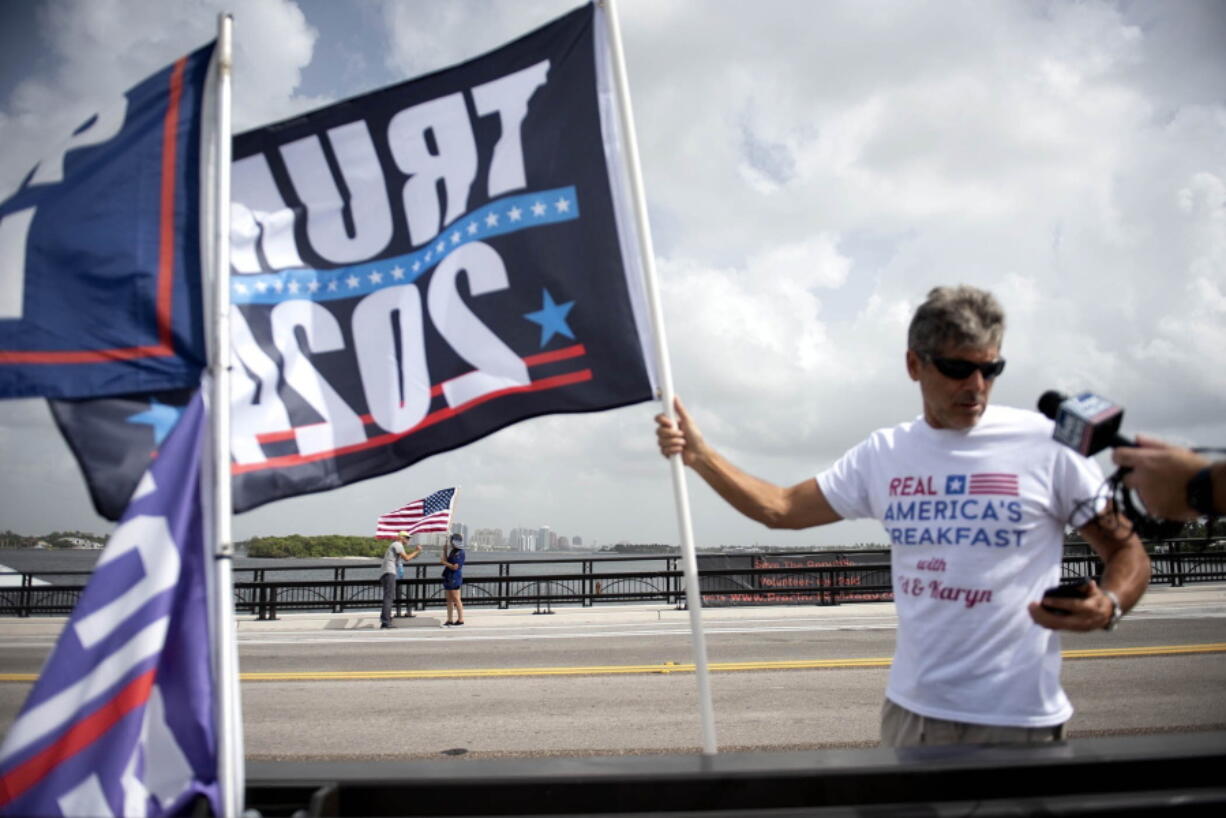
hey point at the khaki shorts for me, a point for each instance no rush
(902, 728)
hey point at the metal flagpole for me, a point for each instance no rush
(230, 764)
(693, 596)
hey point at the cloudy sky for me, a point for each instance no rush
(812, 169)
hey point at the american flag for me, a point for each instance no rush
(989, 483)
(431, 513)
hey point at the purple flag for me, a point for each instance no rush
(121, 720)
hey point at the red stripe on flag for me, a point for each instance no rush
(166, 266)
(994, 483)
(166, 235)
(574, 351)
(289, 460)
(82, 734)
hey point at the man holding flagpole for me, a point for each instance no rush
(975, 500)
(431, 513)
(394, 559)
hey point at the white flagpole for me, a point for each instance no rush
(693, 595)
(230, 764)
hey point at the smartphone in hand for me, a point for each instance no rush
(1072, 590)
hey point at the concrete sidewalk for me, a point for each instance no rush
(605, 615)
(1158, 600)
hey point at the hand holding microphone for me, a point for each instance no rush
(1174, 482)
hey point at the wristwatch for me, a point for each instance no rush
(1117, 613)
(1200, 492)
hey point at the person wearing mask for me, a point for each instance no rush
(453, 579)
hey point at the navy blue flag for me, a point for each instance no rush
(121, 719)
(413, 270)
(100, 251)
(421, 266)
(114, 440)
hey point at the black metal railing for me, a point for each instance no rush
(817, 578)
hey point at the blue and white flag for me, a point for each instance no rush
(100, 250)
(121, 720)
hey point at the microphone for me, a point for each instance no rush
(1087, 423)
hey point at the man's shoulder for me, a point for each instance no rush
(999, 413)
(1012, 420)
(997, 424)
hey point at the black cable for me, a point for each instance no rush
(1145, 525)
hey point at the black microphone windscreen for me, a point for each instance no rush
(1049, 403)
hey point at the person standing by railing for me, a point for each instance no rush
(394, 559)
(453, 580)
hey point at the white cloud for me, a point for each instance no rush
(103, 47)
(812, 170)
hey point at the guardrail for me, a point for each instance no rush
(789, 578)
(1171, 774)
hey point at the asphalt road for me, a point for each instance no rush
(617, 682)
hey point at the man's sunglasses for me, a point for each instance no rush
(960, 369)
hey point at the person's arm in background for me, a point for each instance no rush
(800, 506)
(1161, 473)
(1126, 571)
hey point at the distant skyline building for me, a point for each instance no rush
(528, 540)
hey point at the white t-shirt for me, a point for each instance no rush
(976, 523)
(392, 556)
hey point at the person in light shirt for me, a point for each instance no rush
(394, 559)
(974, 499)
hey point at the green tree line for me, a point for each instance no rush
(56, 539)
(324, 545)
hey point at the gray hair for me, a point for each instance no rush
(961, 316)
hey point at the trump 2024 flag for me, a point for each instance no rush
(121, 719)
(100, 250)
(419, 267)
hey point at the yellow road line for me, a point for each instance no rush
(665, 668)
(1157, 650)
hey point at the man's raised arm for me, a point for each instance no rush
(800, 506)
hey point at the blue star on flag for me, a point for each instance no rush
(552, 318)
(162, 417)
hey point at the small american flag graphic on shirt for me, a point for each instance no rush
(993, 483)
(982, 483)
